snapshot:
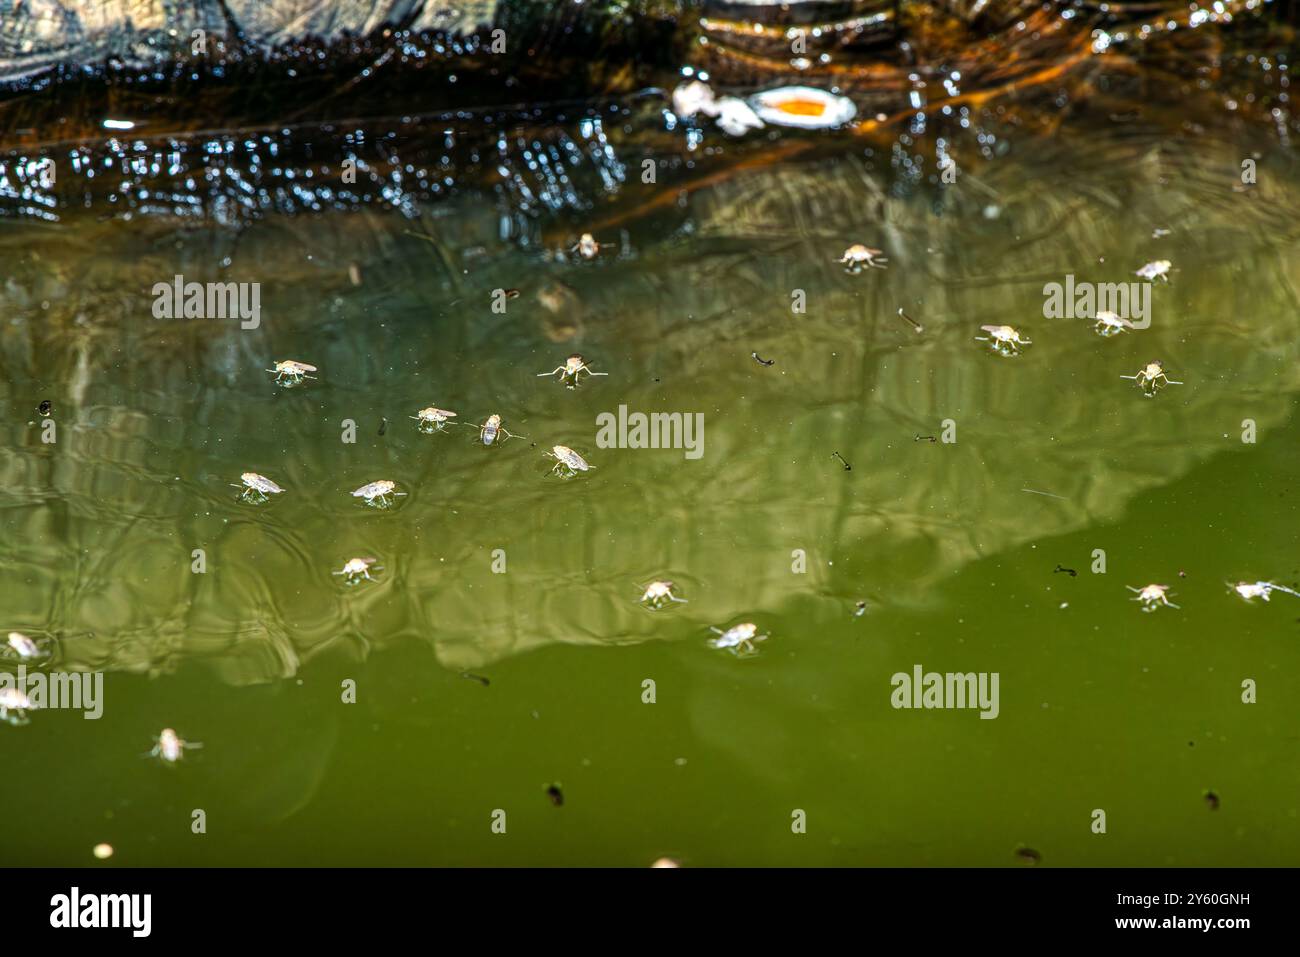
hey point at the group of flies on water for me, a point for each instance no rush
(1006, 340)
(739, 639)
(257, 488)
(15, 704)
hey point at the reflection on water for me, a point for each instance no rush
(156, 418)
(387, 285)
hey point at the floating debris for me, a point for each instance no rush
(738, 639)
(1069, 571)
(102, 852)
(355, 569)
(694, 97)
(665, 862)
(737, 117)
(555, 794)
(847, 466)
(763, 362)
(256, 485)
(46, 407)
(732, 114)
(1211, 800)
(473, 677)
(805, 107)
(564, 311)
(1034, 491)
(1152, 596)
(915, 325)
(859, 609)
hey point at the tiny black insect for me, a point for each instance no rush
(383, 425)
(46, 407)
(763, 362)
(556, 795)
(847, 466)
(1028, 855)
(1211, 800)
(473, 677)
(924, 438)
(1061, 568)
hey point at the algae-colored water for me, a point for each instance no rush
(501, 650)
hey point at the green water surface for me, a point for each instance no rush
(953, 546)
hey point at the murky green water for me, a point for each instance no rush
(954, 546)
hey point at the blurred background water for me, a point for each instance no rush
(387, 286)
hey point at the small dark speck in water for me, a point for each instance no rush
(1211, 800)
(1069, 571)
(46, 407)
(473, 677)
(763, 362)
(383, 425)
(924, 438)
(556, 795)
(847, 466)
(1028, 855)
